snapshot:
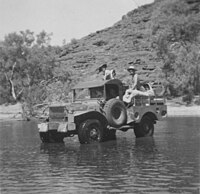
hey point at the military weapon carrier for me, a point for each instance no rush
(97, 112)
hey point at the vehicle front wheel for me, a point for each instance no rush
(90, 131)
(144, 128)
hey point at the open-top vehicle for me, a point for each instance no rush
(97, 111)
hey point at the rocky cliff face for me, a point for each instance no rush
(129, 40)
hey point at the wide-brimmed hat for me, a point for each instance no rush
(131, 67)
(102, 66)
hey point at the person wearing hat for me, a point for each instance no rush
(133, 83)
(133, 80)
(107, 74)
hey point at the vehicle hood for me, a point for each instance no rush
(83, 106)
(77, 108)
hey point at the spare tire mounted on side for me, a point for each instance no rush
(115, 112)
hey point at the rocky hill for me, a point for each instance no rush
(162, 37)
(130, 39)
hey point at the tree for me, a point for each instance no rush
(13, 54)
(25, 61)
(43, 39)
(178, 43)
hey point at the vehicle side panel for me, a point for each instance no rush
(135, 113)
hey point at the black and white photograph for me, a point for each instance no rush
(99, 96)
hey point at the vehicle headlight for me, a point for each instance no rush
(136, 115)
(164, 112)
(70, 111)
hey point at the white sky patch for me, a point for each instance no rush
(66, 19)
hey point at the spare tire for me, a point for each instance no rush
(115, 112)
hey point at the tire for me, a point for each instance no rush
(145, 128)
(115, 112)
(90, 131)
(51, 137)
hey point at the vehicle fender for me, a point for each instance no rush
(138, 112)
(79, 118)
(151, 115)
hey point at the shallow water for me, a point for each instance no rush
(167, 163)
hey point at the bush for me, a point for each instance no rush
(34, 95)
(188, 98)
(197, 101)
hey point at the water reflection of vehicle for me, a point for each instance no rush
(103, 161)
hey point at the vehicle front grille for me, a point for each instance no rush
(57, 113)
(53, 126)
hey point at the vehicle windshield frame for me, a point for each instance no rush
(88, 93)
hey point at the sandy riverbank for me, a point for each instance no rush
(190, 111)
(14, 112)
(11, 112)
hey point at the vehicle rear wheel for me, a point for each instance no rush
(90, 131)
(144, 128)
(115, 112)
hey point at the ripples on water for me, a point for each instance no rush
(166, 163)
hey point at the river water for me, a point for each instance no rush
(167, 163)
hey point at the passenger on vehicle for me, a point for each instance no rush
(107, 74)
(133, 83)
(146, 90)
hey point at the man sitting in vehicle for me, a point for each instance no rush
(133, 84)
(135, 87)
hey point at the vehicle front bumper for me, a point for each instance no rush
(59, 126)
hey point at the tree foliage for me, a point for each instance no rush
(177, 32)
(27, 66)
